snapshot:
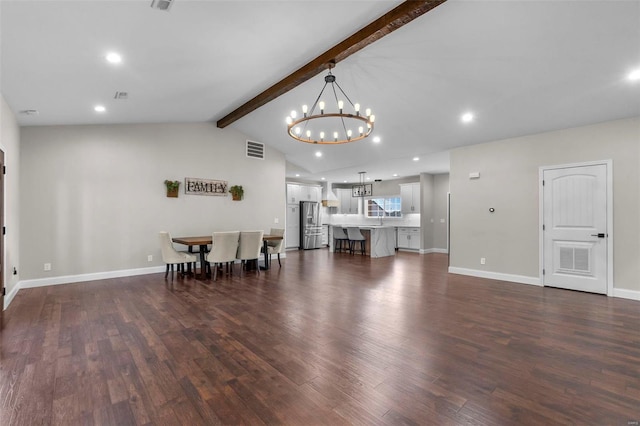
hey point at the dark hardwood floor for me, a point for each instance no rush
(326, 339)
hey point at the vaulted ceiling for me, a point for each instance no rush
(521, 67)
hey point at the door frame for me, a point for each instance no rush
(609, 239)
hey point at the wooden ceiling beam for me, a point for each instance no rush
(389, 22)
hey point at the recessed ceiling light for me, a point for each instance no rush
(345, 181)
(416, 158)
(297, 174)
(467, 117)
(368, 178)
(114, 58)
(318, 154)
(634, 75)
(99, 108)
(376, 139)
(321, 178)
(395, 175)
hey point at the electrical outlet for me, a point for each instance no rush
(150, 258)
(441, 220)
(47, 266)
(276, 220)
(483, 260)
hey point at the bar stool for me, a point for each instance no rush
(339, 239)
(355, 236)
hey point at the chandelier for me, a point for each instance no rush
(334, 124)
(362, 190)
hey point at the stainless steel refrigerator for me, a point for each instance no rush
(310, 226)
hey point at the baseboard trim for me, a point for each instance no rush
(9, 297)
(521, 279)
(433, 250)
(626, 294)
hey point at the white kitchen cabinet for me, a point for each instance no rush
(409, 238)
(410, 194)
(310, 193)
(293, 193)
(297, 192)
(292, 239)
(316, 194)
(348, 204)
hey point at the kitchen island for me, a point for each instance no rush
(380, 240)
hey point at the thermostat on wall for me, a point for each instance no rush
(474, 175)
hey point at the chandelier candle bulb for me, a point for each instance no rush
(357, 108)
(304, 110)
(321, 135)
(335, 136)
(294, 114)
(372, 118)
(361, 130)
(289, 120)
(340, 106)
(321, 105)
(367, 112)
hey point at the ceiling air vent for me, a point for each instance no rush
(161, 4)
(255, 150)
(29, 112)
(121, 95)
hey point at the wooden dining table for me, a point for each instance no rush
(204, 241)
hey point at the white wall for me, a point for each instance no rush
(509, 238)
(10, 144)
(93, 197)
(433, 198)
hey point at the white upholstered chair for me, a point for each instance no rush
(275, 247)
(355, 236)
(249, 247)
(171, 256)
(223, 250)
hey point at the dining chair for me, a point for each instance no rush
(355, 236)
(275, 247)
(223, 250)
(171, 256)
(340, 238)
(249, 247)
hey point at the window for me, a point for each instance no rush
(383, 207)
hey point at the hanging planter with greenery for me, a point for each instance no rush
(172, 188)
(236, 192)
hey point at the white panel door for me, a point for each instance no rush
(575, 228)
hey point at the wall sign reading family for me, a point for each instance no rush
(195, 186)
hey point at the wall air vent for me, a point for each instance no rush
(121, 95)
(255, 150)
(161, 4)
